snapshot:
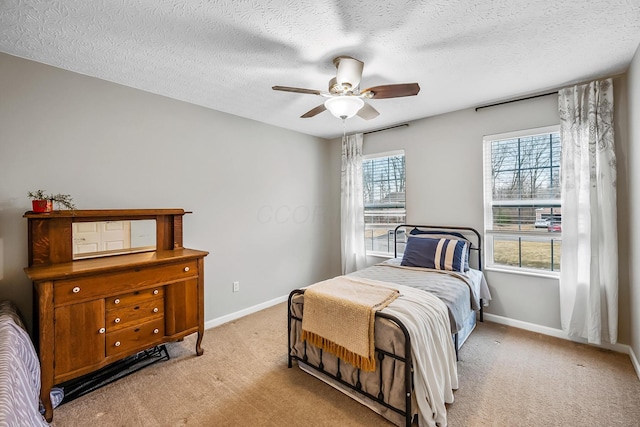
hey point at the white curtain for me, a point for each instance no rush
(352, 205)
(589, 262)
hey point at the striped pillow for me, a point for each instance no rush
(436, 234)
(439, 254)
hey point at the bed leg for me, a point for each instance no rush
(481, 310)
(290, 362)
(455, 340)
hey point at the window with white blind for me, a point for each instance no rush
(384, 200)
(523, 213)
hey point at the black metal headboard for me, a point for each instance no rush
(470, 234)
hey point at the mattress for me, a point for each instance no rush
(461, 292)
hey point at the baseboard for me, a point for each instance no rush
(559, 333)
(247, 311)
(634, 361)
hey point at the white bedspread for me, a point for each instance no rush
(434, 359)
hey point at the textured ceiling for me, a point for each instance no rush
(226, 54)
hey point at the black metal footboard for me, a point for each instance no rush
(380, 355)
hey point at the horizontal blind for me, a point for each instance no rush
(384, 182)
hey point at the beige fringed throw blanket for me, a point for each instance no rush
(339, 315)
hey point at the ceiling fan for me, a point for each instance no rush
(344, 97)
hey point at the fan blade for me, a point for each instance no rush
(392, 91)
(319, 109)
(296, 90)
(367, 112)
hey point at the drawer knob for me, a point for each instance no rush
(76, 289)
(117, 320)
(155, 292)
(102, 330)
(117, 344)
(186, 269)
(116, 301)
(156, 330)
(155, 309)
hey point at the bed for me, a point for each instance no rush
(19, 372)
(415, 373)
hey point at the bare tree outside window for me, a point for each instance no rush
(526, 168)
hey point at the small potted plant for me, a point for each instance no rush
(42, 202)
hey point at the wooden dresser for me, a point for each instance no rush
(92, 312)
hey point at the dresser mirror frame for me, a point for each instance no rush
(51, 237)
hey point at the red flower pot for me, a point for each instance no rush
(42, 205)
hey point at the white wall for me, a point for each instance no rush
(634, 203)
(260, 206)
(437, 145)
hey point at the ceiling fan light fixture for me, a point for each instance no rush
(344, 107)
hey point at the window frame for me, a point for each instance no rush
(489, 232)
(366, 157)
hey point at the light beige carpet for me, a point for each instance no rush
(508, 377)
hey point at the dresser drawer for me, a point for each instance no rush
(100, 286)
(133, 298)
(141, 336)
(142, 311)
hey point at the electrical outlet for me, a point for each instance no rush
(236, 286)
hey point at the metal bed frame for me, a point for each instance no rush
(381, 354)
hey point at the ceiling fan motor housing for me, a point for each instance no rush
(349, 72)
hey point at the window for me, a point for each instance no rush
(384, 200)
(523, 215)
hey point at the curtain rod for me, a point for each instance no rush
(549, 93)
(389, 128)
(516, 100)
